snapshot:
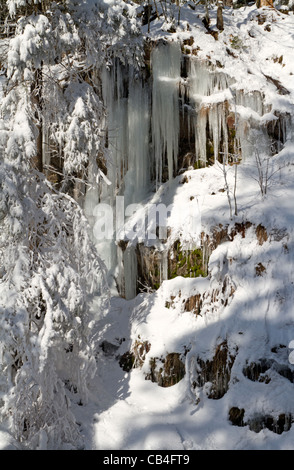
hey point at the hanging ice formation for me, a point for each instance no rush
(145, 122)
(127, 102)
(208, 94)
(223, 120)
(166, 67)
(142, 144)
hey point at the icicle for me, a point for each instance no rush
(224, 131)
(203, 82)
(126, 100)
(116, 104)
(250, 108)
(215, 130)
(130, 273)
(166, 67)
(164, 263)
(137, 179)
(119, 273)
(200, 141)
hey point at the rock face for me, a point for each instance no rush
(215, 374)
(218, 366)
(154, 265)
(185, 263)
(167, 371)
(194, 304)
(136, 357)
(163, 132)
(264, 3)
(259, 371)
(278, 425)
(216, 371)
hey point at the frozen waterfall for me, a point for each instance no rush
(145, 118)
(166, 68)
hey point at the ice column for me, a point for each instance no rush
(207, 91)
(130, 272)
(115, 100)
(137, 178)
(166, 68)
(127, 103)
(250, 109)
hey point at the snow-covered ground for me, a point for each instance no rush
(134, 413)
(128, 412)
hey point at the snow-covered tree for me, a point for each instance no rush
(49, 269)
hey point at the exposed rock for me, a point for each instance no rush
(154, 265)
(123, 244)
(240, 227)
(136, 357)
(257, 422)
(186, 263)
(139, 350)
(213, 33)
(259, 269)
(281, 89)
(276, 130)
(217, 371)
(256, 371)
(126, 361)
(277, 234)
(261, 234)
(200, 304)
(189, 41)
(170, 303)
(236, 416)
(286, 372)
(167, 371)
(228, 288)
(231, 53)
(185, 179)
(194, 304)
(264, 3)
(277, 348)
(149, 267)
(231, 121)
(188, 160)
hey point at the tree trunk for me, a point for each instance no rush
(219, 17)
(264, 3)
(36, 93)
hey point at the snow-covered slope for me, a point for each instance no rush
(252, 321)
(225, 337)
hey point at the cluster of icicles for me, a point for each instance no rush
(144, 118)
(143, 125)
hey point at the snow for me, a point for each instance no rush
(138, 414)
(125, 410)
(7, 442)
(134, 413)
